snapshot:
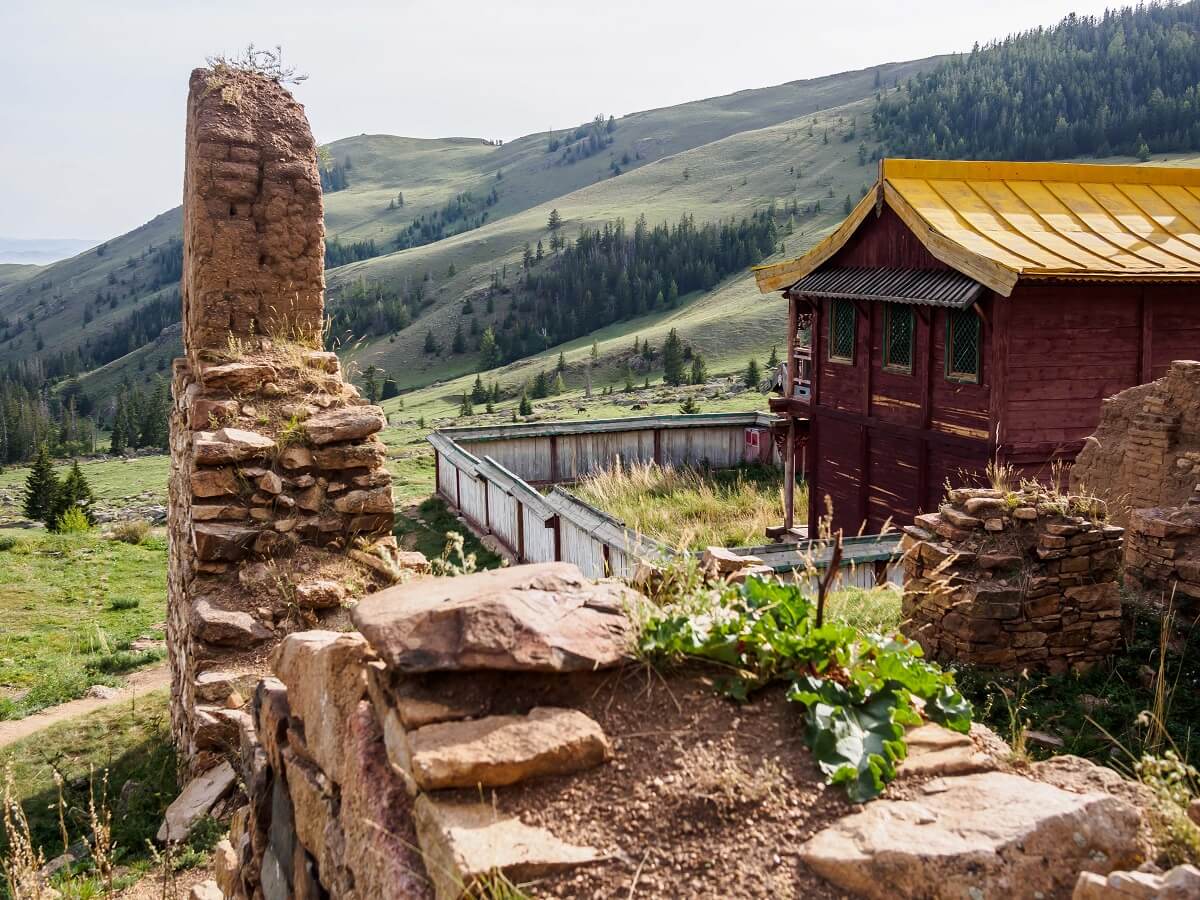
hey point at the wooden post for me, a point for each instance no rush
(658, 446)
(817, 361)
(458, 488)
(487, 506)
(521, 532)
(554, 523)
(789, 389)
(554, 459)
(789, 475)
(437, 473)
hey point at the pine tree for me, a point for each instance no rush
(689, 406)
(562, 362)
(41, 488)
(73, 492)
(672, 355)
(431, 344)
(525, 408)
(489, 353)
(752, 377)
(479, 393)
(371, 383)
(541, 385)
(459, 343)
(773, 359)
(699, 370)
(555, 221)
(120, 428)
(559, 385)
(464, 408)
(390, 389)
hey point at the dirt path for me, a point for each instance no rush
(142, 682)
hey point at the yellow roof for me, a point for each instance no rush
(1000, 221)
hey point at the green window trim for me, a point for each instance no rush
(843, 331)
(899, 334)
(963, 346)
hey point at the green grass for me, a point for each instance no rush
(66, 619)
(689, 508)
(131, 742)
(868, 610)
(426, 527)
(112, 479)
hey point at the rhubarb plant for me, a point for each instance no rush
(860, 692)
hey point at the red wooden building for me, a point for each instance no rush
(974, 311)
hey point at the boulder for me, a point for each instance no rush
(985, 835)
(499, 750)
(229, 628)
(346, 423)
(545, 617)
(217, 541)
(462, 843)
(196, 801)
(325, 678)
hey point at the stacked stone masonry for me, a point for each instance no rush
(280, 507)
(253, 216)
(352, 748)
(1013, 579)
(1162, 554)
(1146, 450)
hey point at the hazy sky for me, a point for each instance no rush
(92, 91)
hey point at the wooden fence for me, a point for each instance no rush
(496, 492)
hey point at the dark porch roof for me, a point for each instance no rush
(926, 287)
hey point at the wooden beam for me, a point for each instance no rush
(437, 473)
(997, 373)
(1146, 333)
(553, 459)
(817, 357)
(814, 484)
(658, 446)
(868, 351)
(458, 488)
(864, 478)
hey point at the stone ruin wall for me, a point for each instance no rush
(1013, 580)
(280, 507)
(1162, 555)
(357, 755)
(1146, 451)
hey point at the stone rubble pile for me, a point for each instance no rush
(358, 751)
(1012, 580)
(1162, 553)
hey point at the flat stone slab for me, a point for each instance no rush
(230, 628)
(464, 842)
(985, 835)
(195, 801)
(347, 423)
(539, 618)
(499, 750)
(934, 750)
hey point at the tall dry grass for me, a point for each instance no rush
(688, 507)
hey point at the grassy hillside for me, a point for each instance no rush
(727, 178)
(51, 303)
(11, 273)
